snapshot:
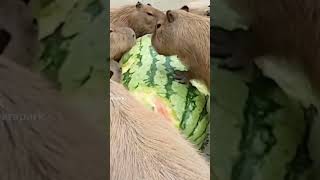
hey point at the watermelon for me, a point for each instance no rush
(149, 77)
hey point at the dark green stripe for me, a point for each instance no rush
(170, 78)
(204, 132)
(203, 113)
(153, 68)
(190, 106)
(139, 56)
(200, 144)
(126, 78)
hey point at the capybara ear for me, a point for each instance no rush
(139, 4)
(149, 4)
(185, 8)
(5, 38)
(170, 16)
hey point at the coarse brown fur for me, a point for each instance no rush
(141, 18)
(202, 11)
(146, 146)
(121, 40)
(188, 36)
(41, 137)
(285, 28)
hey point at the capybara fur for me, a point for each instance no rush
(144, 145)
(201, 8)
(41, 136)
(186, 35)
(121, 41)
(140, 17)
(283, 28)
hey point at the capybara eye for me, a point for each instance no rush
(150, 14)
(158, 26)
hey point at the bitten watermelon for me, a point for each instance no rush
(149, 77)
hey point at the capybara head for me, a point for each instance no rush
(121, 40)
(202, 11)
(142, 18)
(180, 33)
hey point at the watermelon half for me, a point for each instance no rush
(149, 77)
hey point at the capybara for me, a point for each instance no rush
(140, 17)
(200, 7)
(121, 40)
(186, 35)
(144, 145)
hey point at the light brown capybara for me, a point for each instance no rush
(144, 145)
(186, 35)
(121, 40)
(140, 17)
(201, 8)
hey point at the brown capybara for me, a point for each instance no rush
(41, 136)
(19, 27)
(144, 145)
(281, 28)
(201, 8)
(121, 40)
(199, 11)
(186, 35)
(140, 17)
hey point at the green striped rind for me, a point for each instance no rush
(143, 68)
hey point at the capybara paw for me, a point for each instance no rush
(182, 77)
(115, 71)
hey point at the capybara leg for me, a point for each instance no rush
(234, 47)
(182, 77)
(116, 70)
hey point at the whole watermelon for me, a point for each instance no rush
(149, 77)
